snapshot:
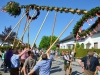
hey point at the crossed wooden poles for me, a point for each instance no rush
(38, 31)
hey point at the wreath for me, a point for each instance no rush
(33, 18)
(92, 13)
(14, 9)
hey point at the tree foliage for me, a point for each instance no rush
(45, 42)
(5, 34)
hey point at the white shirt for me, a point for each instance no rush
(67, 57)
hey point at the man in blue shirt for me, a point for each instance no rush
(90, 63)
(43, 66)
(15, 63)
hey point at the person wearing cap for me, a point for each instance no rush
(90, 63)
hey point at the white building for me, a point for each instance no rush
(5, 43)
(89, 42)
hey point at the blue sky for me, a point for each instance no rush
(62, 18)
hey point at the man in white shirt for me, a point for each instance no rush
(67, 60)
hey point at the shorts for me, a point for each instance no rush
(88, 72)
(66, 66)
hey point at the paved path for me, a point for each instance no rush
(57, 68)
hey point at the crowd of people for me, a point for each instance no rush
(25, 61)
(90, 63)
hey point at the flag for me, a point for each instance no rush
(80, 29)
(91, 34)
(88, 21)
(94, 30)
(97, 15)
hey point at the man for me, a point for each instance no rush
(43, 66)
(15, 61)
(67, 60)
(8, 56)
(90, 63)
(30, 62)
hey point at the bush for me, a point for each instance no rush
(80, 52)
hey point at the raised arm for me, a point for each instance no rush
(25, 50)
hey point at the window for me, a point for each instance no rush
(96, 45)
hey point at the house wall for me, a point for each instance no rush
(67, 44)
(93, 39)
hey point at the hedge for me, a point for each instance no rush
(8, 47)
(80, 52)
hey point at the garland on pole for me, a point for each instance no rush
(90, 14)
(14, 8)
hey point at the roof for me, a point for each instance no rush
(71, 36)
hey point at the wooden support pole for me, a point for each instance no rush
(13, 28)
(16, 36)
(71, 60)
(28, 37)
(25, 29)
(53, 28)
(40, 29)
(55, 40)
(58, 37)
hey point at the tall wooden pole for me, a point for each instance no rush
(40, 29)
(25, 29)
(13, 29)
(71, 60)
(53, 28)
(58, 37)
(16, 36)
(28, 37)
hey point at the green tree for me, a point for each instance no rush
(45, 41)
(6, 32)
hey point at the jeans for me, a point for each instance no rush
(8, 63)
(5, 68)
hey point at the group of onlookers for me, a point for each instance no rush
(90, 63)
(24, 62)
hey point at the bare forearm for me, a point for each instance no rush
(22, 53)
(31, 72)
(80, 63)
(24, 69)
